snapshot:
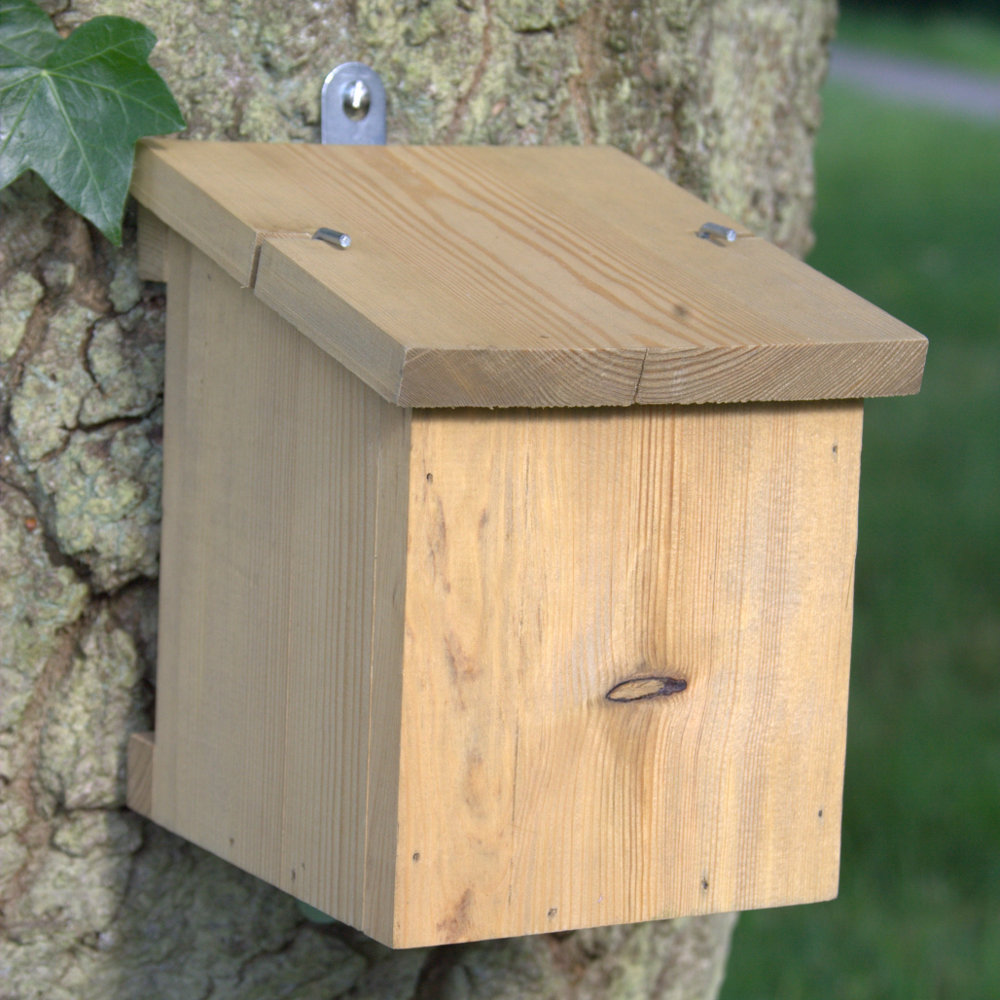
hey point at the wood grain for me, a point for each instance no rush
(551, 276)
(178, 200)
(390, 640)
(553, 556)
(139, 787)
(276, 461)
(151, 248)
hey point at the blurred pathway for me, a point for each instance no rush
(917, 82)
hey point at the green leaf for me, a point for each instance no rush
(27, 36)
(73, 109)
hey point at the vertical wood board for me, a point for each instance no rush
(139, 786)
(224, 592)
(151, 246)
(344, 627)
(553, 556)
(386, 707)
(275, 462)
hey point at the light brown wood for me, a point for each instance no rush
(139, 784)
(554, 555)
(276, 462)
(461, 773)
(221, 665)
(388, 636)
(179, 201)
(151, 248)
(553, 276)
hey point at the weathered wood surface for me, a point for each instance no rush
(151, 246)
(282, 485)
(387, 639)
(484, 276)
(582, 548)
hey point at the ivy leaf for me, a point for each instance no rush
(73, 109)
(26, 34)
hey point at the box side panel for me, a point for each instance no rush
(224, 598)
(273, 452)
(386, 699)
(151, 246)
(346, 551)
(178, 541)
(554, 556)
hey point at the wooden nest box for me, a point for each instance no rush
(508, 554)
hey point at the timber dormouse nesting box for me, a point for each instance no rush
(472, 623)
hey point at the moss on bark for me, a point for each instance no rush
(719, 94)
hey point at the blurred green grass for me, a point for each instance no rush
(908, 215)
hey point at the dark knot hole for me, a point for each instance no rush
(643, 688)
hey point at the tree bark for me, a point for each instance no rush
(721, 95)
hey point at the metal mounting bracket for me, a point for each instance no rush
(352, 109)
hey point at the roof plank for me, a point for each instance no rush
(522, 276)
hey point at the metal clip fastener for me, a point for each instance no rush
(713, 231)
(332, 237)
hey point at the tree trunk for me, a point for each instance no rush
(719, 94)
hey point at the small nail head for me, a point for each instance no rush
(333, 237)
(712, 230)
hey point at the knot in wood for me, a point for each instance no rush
(643, 688)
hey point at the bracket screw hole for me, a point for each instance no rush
(357, 100)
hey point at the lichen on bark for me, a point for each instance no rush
(721, 95)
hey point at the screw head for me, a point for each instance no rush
(357, 100)
(713, 231)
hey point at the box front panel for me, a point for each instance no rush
(556, 555)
